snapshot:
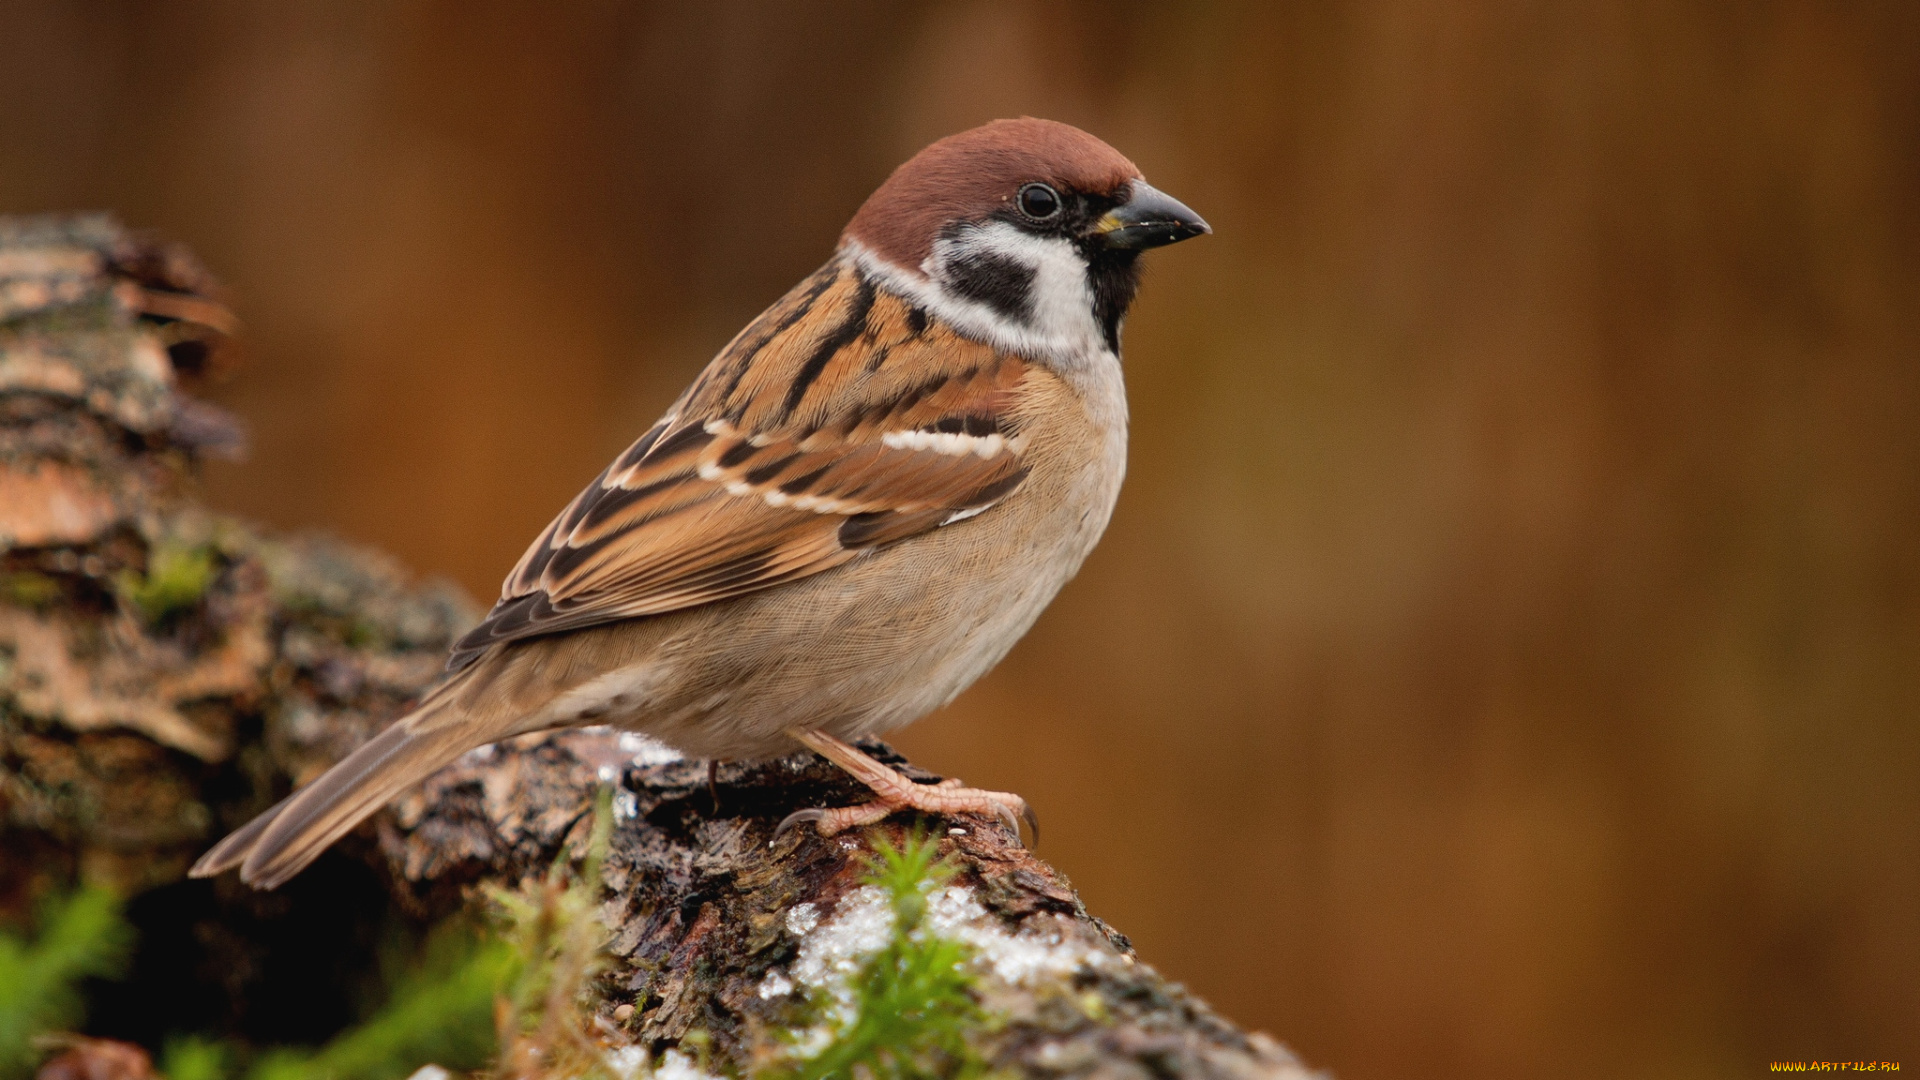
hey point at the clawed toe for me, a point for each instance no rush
(894, 792)
(943, 799)
(787, 823)
(1004, 813)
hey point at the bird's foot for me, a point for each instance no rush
(894, 792)
(945, 798)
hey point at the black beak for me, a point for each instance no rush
(1148, 219)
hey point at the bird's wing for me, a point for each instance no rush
(840, 420)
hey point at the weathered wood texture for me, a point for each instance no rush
(165, 673)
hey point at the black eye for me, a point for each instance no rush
(1039, 202)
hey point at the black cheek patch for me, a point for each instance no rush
(1001, 283)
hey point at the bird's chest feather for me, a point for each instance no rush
(983, 582)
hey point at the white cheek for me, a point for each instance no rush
(1061, 326)
(1061, 297)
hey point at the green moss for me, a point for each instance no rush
(190, 1057)
(914, 1004)
(177, 576)
(553, 926)
(29, 589)
(79, 935)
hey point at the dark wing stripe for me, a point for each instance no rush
(737, 453)
(999, 489)
(872, 530)
(860, 527)
(570, 561)
(740, 353)
(689, 437)
(919, 393)
(618, 498)
(638, 451)
(670, 498)
(761, 475)
(577, 561)
(527, 572)
(852, 327)
(804, 481)
(500, 623)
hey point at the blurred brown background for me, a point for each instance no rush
(1505, 660)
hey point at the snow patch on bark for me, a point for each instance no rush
(832, 951)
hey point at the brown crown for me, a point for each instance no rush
(967, 176)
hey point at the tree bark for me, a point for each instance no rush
(165, 673)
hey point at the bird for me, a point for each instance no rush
(852, 513)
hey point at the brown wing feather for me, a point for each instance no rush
(840, 420)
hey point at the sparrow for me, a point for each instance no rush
(852, 514)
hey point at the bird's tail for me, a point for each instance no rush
(280, 843)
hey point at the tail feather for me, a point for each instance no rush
(229, 853)
(280, 843)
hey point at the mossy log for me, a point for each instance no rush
(165, 673)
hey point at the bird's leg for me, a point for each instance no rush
(894, 792)
(713, 783)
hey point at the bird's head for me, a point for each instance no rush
(1026, 232)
